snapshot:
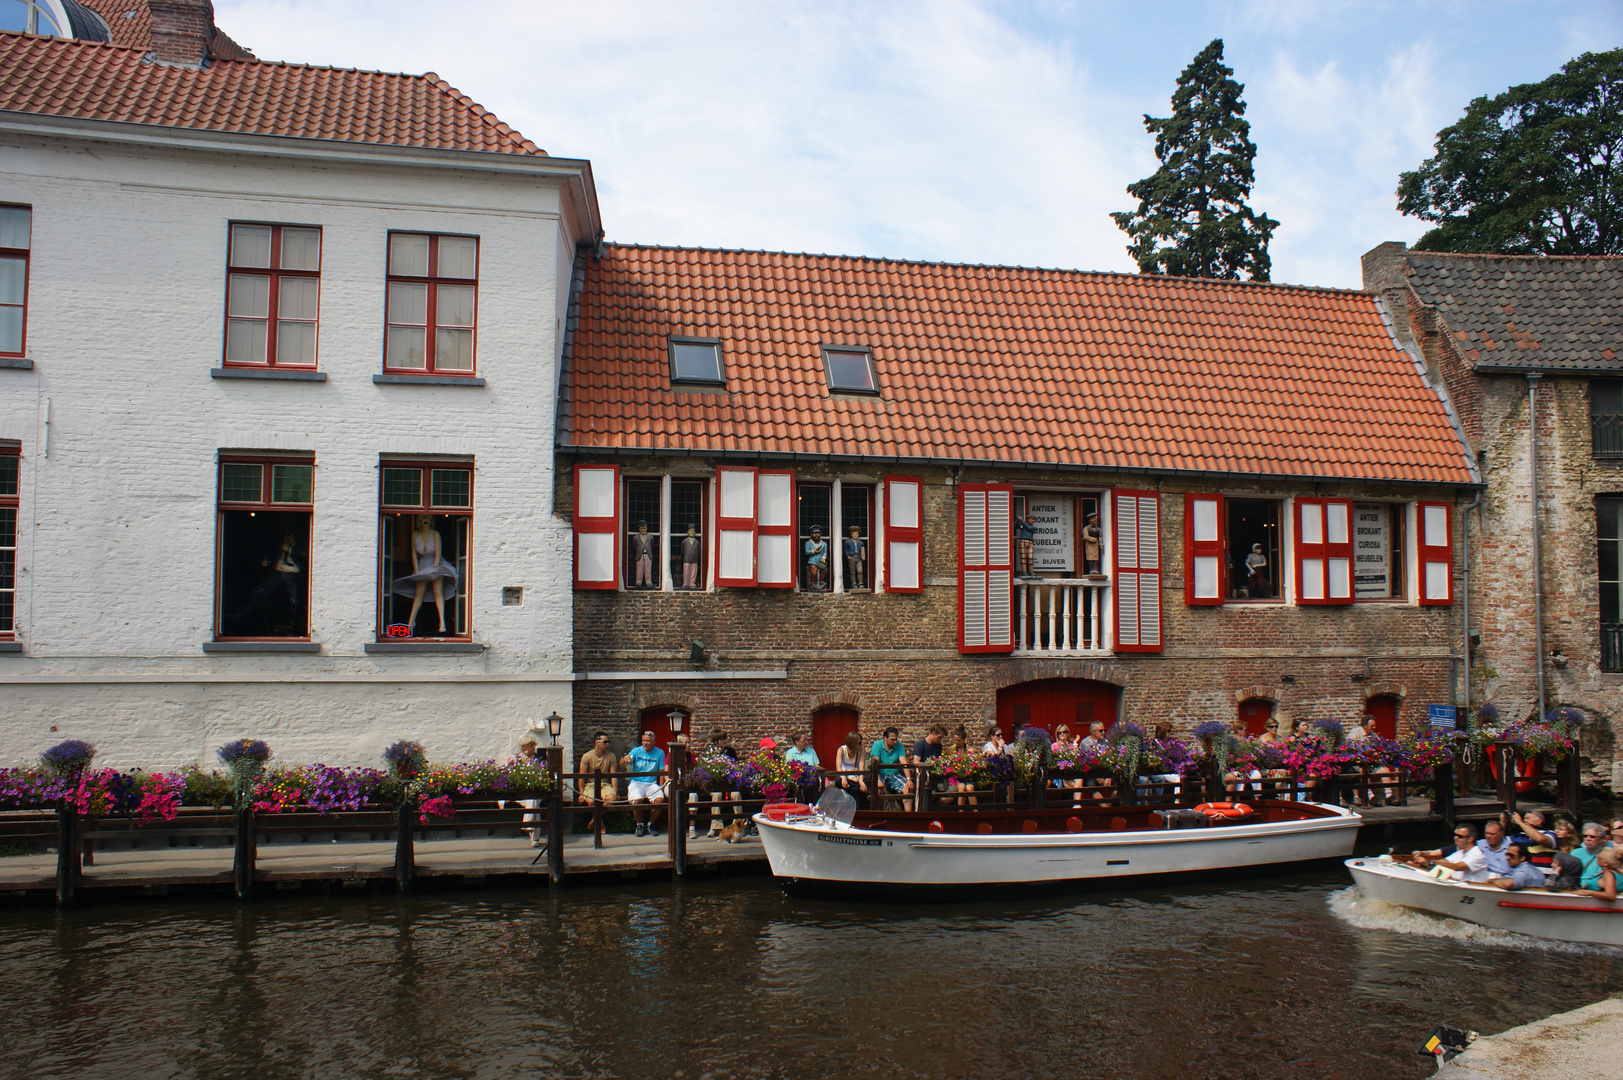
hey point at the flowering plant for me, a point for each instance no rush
(964, 767)
(1333, 731)
(1165, 756)
(515, 779)
(148, 797)
(405, 759)
(1538, 740)
(1424, 749)
(1031, 752)
(1208, 731)
(439, 807)
(321, 788)
(246, 759)
(772, 777)
(70, 757)
(1312, 756)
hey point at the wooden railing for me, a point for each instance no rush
(1059, 615)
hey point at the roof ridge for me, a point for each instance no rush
(1507, 255)
(1160, 279)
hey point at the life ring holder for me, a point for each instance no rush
(1224, 810)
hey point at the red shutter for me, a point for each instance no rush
(985, 568)
(1434, 527)
(775, 530)
(1137, 520)
(1338, 551)
(904, 534)
(1309, 529)
(1203, 548)
(735, 526)
(597, 526)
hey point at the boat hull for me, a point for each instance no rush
(817, 858)
(1526, 911)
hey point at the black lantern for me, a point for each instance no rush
(555, 726)
(677, 718)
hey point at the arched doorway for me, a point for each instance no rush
(1047, 703)
(1385, 711)
(658, 720)
(1257, 716)
(830, 725)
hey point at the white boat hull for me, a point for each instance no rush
(820, 856)
(1525, 911)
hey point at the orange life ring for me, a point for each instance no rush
(1224, 809)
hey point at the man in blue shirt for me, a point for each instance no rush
(1523, 874)
(1494, 845)
(646, 793)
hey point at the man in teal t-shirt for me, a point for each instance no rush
(1586, 853)
(646, 793)
(891, 753)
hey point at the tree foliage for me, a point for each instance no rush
(1192, 219)
(1536, 170)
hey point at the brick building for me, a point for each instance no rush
(1510, 337)
(1277, 490)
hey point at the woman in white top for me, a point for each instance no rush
(848, 759)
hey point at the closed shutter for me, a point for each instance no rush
(1324, 551)
(1203, 548)
(985, 568)
(1309, 551)
(775, 530)
(1138, 571)
(904, 534)
(1436, 554)
(735, 526)
(597, 526)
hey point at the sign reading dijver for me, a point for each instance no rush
(1442, 716)
(1054, 547)
(1372, 573)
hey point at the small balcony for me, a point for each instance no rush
(1059, 616)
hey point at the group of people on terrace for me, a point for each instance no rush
(1543, 852)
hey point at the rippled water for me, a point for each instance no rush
(1264, 978)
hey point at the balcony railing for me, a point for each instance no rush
(1611, 646)
(1059, 615)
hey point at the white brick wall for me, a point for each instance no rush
(117, 526)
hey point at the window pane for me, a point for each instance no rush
(451, 487)
(1374, 553)
(11, 329)
(407, 347)
(698, 362)
(264, 560)
(1608, 562)
(248, 296)
(642, 534)
(687, 551)
(8, 474)
(408, 255)
(14, 222)
(296, 343)
(250, 246)
(410, 566)
(245, 341)
(459, 257)
(453, 305)
(453, 350)
(240, 483)
(815, 503)
(296, 298)
(1253, 549)
(13, 275)
(290, 483)
(849, 371)
(1606, 514)
(408, 304)
(301, 249)
(402, 487)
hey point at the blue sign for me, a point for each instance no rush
(1442, 716)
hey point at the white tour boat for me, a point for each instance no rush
(1526, 911)
(948, 854)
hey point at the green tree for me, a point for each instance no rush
(1192, 219)
(1536, 170)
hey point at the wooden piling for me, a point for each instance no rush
(555, 816)
(67, 855)
(676, 815)
(405, 853)
(242, 859)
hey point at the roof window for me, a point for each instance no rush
(697, 361)
(850, 369)
(33, 17)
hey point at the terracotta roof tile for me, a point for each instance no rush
(1105, 370)
(54, 77)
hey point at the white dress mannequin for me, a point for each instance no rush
(431, 570)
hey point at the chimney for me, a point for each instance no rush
(182, 31)
(1384, 267)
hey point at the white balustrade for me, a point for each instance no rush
(1059, 615)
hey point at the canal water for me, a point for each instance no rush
(731, 979)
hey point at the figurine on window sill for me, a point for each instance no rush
(642, 555)
(690, 559)
(431, 569)
(1092, 546)
(817, 561)
(1026, 534)
(856, 560)
(1256, 572)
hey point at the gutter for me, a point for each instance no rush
(1538, 562)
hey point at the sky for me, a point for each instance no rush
(952, 130)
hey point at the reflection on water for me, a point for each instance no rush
(733, 980)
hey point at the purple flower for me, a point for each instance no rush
(244, 750)
(1331, 727)
(69, 757)
(1034, 737)
(1488, 713)
(1210, 730)
(1126, 729)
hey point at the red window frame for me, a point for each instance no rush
(1325, 554)
(275, 273)
(1136, 521)
(432, 281)
(786, 530)
(426, 506)
(597, 525)
(265, 502)
(985, 568)
(903, 535)
(1434, 555)
(1215, 548)
(735, 524)
(23, 254)
(9, 500)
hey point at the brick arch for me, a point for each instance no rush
(836, 697)
(657, 697)
(1386, 689)
(1264, 693)
(1012, 672)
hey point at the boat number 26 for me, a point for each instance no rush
(1467, 899)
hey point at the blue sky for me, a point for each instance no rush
(948, 129)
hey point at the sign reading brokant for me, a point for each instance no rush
(1053, 550)
(1372, 547)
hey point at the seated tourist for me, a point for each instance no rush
(1607, 877)
(646, 794)
(596, 784)
(1588, 853)
(1464, 837)
(1494, 846)
(848, 770)
(1523, 874)
(890, 753)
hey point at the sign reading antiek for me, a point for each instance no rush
(1053, 550)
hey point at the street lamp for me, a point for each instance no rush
(555, 726)
(677, 718)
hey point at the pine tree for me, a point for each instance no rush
(1192, 219)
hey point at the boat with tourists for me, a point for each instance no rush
(941, 855)
(1534, 912)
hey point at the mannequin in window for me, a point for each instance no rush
(855, 559)
(817, 560)
(690, 559)
(642, 556)
(1092, 545)
(1026, 535)
(1256, 572)
(431, 570)
(283, 578)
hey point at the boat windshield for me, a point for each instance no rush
(839, 806)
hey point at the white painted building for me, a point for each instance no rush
(242, 302)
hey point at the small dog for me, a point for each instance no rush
(736, 833)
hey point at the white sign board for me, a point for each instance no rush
(1372, 550)
(1054, 549)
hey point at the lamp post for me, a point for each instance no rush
(555, 726)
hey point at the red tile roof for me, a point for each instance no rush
(54, 77)
(1001, 364)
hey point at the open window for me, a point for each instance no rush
(814, 516)
(1436, 554)
(1324, 551)
(1378, 551)
(904, 534)
(855, 542)
(641, 542)
(262, 572)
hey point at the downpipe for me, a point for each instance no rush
(1538, 561)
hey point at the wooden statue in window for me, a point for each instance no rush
(642, 556)
(856, 559)
(430, 570)
(690, 559)
(817, 561)
(1256, 572)
(1092, 546)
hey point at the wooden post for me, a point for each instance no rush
(1505, 781)
(921, 787)
(1462, 771)
(242, 860)
(1569, 784)
(1039, 788)
(874, 789)
(1127, 790)
(1442, 801)
(555, 816)
(405, 854)
(676, 839)
(67, 854)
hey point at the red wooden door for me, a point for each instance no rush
(830, 726)
(1256, 714)
(659, 722)
(1385, 711)
(1048, 703)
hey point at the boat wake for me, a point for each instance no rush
(1351, 906)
